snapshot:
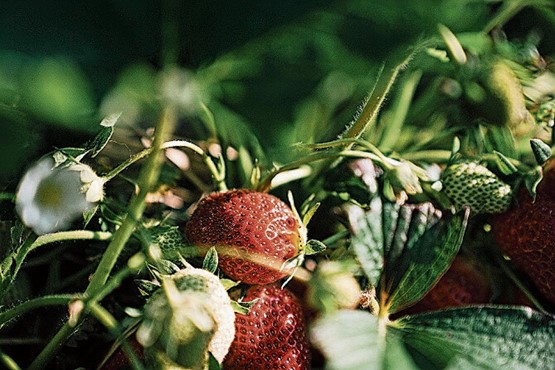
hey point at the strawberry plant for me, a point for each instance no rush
(362, 185)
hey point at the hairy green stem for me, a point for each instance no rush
(147, 180)
(69, 235)
(266, 183)
(32, 304)
(134, 158)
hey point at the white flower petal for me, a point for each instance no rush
(49, 200)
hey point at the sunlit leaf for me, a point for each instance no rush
(357, 340)
(424, 263)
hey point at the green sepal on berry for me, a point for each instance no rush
(469, 183)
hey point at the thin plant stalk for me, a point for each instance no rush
(147, 180)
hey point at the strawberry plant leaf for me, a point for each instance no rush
(352, 340)
(314, 246)
(504, 164)
(500, 138)
(482, 337)
(96, 144)
(367, 238)
(385, 232)
(427, 260)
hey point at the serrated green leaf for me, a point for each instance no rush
(504, 164)
(488, 337)
(424, 263)
(542, 151)
(367, 238)
(314, 247)
(385, 232)
(210, 262)
(357, 340)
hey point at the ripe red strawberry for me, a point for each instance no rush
(465, 283)
(272, 335)
(247, 226)
(526, 233)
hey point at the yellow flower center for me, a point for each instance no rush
(49, 194)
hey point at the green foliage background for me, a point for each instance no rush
(58, 60)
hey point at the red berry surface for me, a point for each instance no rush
(526, 233)
(272, 335)
(465, 283)
(253, 232)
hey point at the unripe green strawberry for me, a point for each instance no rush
(189, 316)
(253, 232)
(472, 184)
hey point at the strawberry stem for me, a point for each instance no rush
(147, 180)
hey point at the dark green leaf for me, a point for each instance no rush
(424, 263)
(542, 151)
(367, 238)
(386, 232)
(210, 262)
(498, 337)
(213, 364)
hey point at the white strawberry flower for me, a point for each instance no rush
(50, 198)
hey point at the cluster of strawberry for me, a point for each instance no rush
(255, 233)
(523, 228)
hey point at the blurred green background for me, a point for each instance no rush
(274, 67)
